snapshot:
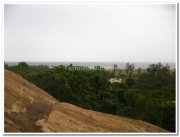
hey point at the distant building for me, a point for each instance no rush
(115, 80)
(50, 67)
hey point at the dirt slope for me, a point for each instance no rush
(30, 109)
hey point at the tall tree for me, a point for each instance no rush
(139, 71)
(114, 69)
(131, 68)
(127, 68)
(152, 69)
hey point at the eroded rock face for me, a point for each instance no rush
(24, 104)
(30, 109)
(38, 110)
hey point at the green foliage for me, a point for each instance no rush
(148, 96)
(130, 82)
(129, 69)
(6, 66)
(23, 64)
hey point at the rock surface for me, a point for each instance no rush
(30, 109)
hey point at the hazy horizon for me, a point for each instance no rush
(121, 65)
(90, 32)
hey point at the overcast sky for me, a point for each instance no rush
(90, 32)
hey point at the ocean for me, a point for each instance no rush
(106, 65)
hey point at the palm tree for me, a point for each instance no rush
(139, 71)
(131, 68)
(114, 69)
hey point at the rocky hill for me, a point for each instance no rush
(30, 109)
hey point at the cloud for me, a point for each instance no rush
(90, 32)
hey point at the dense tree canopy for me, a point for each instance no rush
(149, 96)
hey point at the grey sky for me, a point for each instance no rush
(90, 32)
